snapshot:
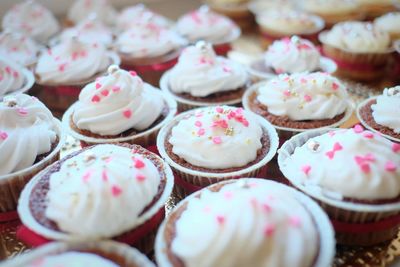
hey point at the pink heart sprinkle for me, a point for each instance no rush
(201, 132)
(368, 135)
(306, 169)
(365, 168)
(307, 98)
(127, 113)
(140, 177)
(86, 176)
(267, 208)
(104, 176)
(139, 164)
(227, 69)
(335, 86)
(116, 88)
(198, 124)
(8, 70)
(220, 219)
(105, 92)
(330, 154)
(22, 111)
(95, 99)
(98, 85)
(390, 166)
(3, 135)
(15, 74)
(395, 147)
(217, 140)
(331, 133)
(116, 191)
(358, 128)
(294, 221)
(302, 80)
(269, 230)
(219, 109)
(133, 73)
(287, 93)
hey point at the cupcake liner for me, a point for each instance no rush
(374, 10)
(60, 96)
(345, 216)
(12, 184)
(29, 82)
(326, 234)
(222, 48)
(286, 133)
(144, 225)
(186, 104)
(369, 127)
(123, 254)
(187, 177)
(145, 138)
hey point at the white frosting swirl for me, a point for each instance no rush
(292, 55)
(304, 96)
(358, 36)
(91, 30)
(389, 22)
(204, 24)
(139, 14)
(214, 137)
(27, 130)
(32, 19)
(71, 61)
(101, 8)
(290, 21)
(150, 40)
(328, 7)
(200, 72)
(18, 47)
(254, 224)
(117, 102)
(73, 258)
(101, 192)
(387, 108)
(11, 77)
(349, 163)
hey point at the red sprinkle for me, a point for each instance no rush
(269, 230)
(133, 73)
(140, 177)
(335, 86)
(395, 147)
(139, 164)
(95, 99)
(127, 113)
(116, 191)
(217, 140)
(220, 219)
(390, 166)
(306, 169)
(105, 92)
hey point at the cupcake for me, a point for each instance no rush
(65, 68)
(261, 6)
(119, 107)
(149, 50)
(390, 23)
(116, 192)
(380, 113)
(248, 222)
(360, 49)
(354, 176)
(82, 254)
(290, 55)
(19, 48)
(80, 9)
(212, 144)
(300, 102)
(279, 23)
(206, 25)
(31, 19)
(375, 8)
(90, 30)
(201, 78)
(140, 14)
(334, 11)
(237, 10)
(30, 140)
(14, 78)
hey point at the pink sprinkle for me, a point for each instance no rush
(269, 230)
(245, 123)
(3, 135)
(22, 111)
(195, 17)
(228, 195)
(294, 221)
(139, 164)
(86, 176)
(220, 219)
(286, 93)
(335, 86)
(133, 73)
(95, 99)
(15, 74)
(267, 208)
(337, 146)
(331, 133)
(108, 159)
(395, 147)
(83, 53)
(140, 177)
(358, 128)
(217, 140)
(368, 135)
(8, 70)
(279, 71)
(104, 175)
(219, 109)
(302, 80)
(116, 88)
(198, 124)
(227, 69)
(390, 166)
(98, 85)
(306, 169)
(105, 92)
(307, 98)
(220, 123)
(74, 55)
(62, 67)
(365, 168)
(201, 132)
(330, 154)
(116, 191)
(127, 113)
(38, 262)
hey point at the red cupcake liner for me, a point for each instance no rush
(222, 49)
(59, 97)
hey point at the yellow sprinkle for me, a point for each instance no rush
(248, 141)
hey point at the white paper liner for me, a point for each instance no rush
(29, 221)
(324, 227)
(129, 254)
(366, 125)
(144, 138)
(29, 82)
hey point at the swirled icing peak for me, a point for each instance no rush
(31, 19)
(291, 55)
(102, 8)
(246, 223)
(304, 96)
(73, 258)
(27, 130)
(389, 22)
(71, 61)
(204, 24)
(87, 194)
(350, 163)
(386, 110)
(117, 102)
(200, 72)
(18, 47)
(11, 77)
(217, 137)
